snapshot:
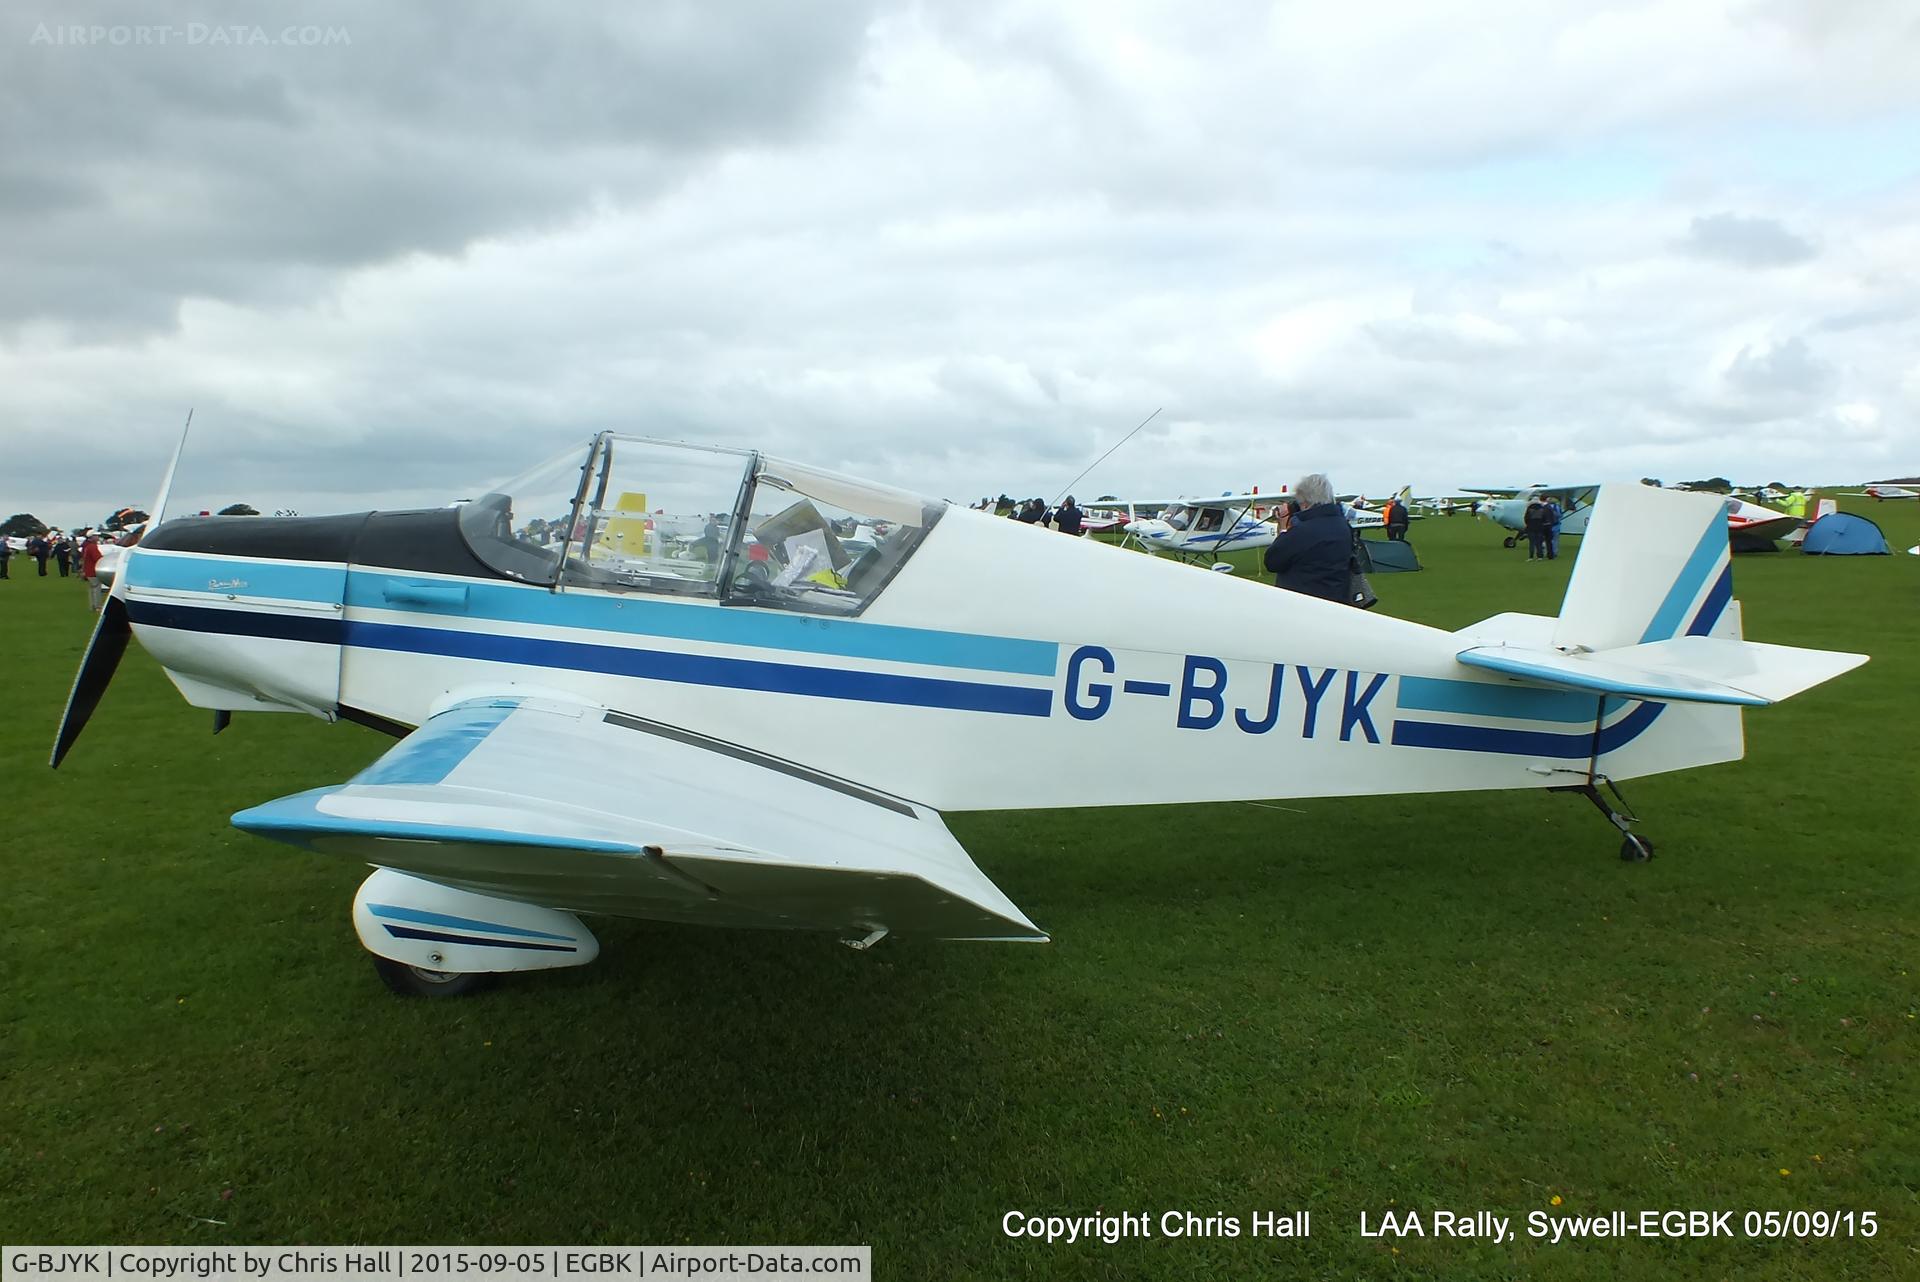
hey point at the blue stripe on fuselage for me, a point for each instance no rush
(626, 661)
(634, 614)
(1529, 743)
(234, 576)
(1487, 699)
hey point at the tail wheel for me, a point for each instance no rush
(1635, 849)
(1509, 541)
(417, 981)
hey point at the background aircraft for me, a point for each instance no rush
(1750, 521)
(1507, 508)
(1884, 492)
(1365, 515)
(1203, 529)
(593, 727)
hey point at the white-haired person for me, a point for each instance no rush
(1312, 555)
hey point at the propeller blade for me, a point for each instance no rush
(96, 670)
(112, 630)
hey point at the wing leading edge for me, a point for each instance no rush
(589, 810)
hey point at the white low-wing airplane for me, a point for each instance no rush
(585, 727)
(1882, 491)
(1756, 522)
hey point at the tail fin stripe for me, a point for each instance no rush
(1693, 576)
(1714, 606)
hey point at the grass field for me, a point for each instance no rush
(1461, 1002)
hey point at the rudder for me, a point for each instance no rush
(1654, 564)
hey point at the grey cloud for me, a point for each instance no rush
(1788, 370)
(137, 176)
(1746, 242)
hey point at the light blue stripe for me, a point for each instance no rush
(298, 821)
(397, 913)
(1693, 576)
(1485, 699)
(431, 753)
(235, 577)
(728, 625)
(636, 614)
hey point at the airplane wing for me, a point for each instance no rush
(1545, 491)
(588, 810)
(1190, 500)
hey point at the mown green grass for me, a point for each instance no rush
(1404, 1003)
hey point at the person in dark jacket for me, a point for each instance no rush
(1066, 517)
(1537, 522)
(1397, 519)
(39, 549)
(1313, 554)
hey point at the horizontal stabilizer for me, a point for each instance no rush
(1689, 669)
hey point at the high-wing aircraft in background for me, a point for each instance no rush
(1745, 518)
(610, 724)
(1880, 492)
(1507, 507)
(1197, 530)
(1204, 529)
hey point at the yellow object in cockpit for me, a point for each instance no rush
(627, 530)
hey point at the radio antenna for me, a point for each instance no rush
(1103, 458)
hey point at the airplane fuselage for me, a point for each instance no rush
(1064, 642)
(1512, 514)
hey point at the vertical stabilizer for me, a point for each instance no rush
(1655, 564)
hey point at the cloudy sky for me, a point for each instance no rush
(388, 253)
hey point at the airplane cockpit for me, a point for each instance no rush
(632, 514)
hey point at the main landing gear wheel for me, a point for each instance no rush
(417, 981)
(1635, 849)
(1509, 542)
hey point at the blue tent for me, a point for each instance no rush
(1844, 534)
